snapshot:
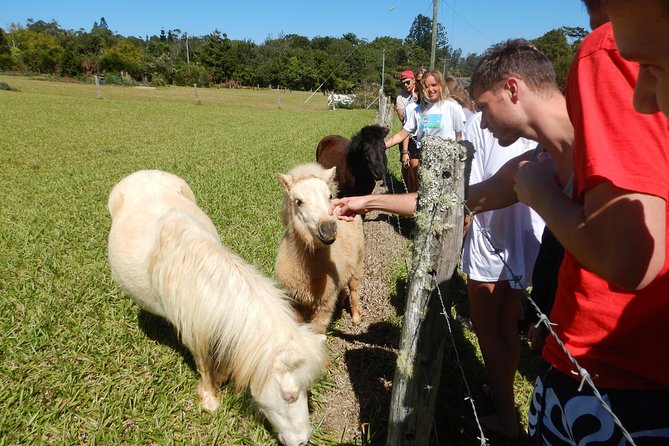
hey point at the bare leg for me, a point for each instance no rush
(494, 314)
(414, 164)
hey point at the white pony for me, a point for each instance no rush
(320, 258)
(165, 253)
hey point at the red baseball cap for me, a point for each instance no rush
(408, 74)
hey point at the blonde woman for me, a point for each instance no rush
(435, 115)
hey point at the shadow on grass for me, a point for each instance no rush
(454, 415)
(163, 332)
(381, 334)
(371, 372)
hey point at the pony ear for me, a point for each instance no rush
(286, 181)
(330, 174)
(187, 192)
(290, 390)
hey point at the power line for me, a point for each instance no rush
(478, 31)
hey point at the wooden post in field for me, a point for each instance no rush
(436, 251)
(97, 86)
(197, 96)
(278, 99)
(385, 116)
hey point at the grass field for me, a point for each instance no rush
(79, 363)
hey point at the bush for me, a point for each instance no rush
(7, 87)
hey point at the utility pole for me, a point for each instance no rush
(187, 54)
(383, 67)
(433, 53)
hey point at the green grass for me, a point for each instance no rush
(79, 363)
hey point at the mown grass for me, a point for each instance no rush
(79, 363)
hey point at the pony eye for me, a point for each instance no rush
(298, 202)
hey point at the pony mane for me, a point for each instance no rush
(235, 313)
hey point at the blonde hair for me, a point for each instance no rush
(422, 90)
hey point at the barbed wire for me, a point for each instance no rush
(444, 312)
(482, 438)
(585, 377)
(543, 319)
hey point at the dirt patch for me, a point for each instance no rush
(356, 408)
(364, 355)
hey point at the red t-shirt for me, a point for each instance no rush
(620, 337)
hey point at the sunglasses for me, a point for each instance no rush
(406, 83)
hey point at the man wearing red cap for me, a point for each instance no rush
(409, 94)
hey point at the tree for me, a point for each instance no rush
(468, 64)
(215, 55)
(554, 45)
(36, 52)
(421, 35)
(124, 56)
(575, 33)
(6, 62)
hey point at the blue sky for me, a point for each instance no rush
(470, 25)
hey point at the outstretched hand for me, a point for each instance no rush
(348, 207)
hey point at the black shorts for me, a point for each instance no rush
(414, 150)
(561, 415)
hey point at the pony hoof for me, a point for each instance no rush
(356, 319)
(209, 403)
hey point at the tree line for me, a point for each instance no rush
(173, 57)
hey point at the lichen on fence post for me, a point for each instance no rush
(436, 251)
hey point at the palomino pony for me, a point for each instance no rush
(320, 258)
(359, 162)
(166, 254)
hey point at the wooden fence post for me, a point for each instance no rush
(436, 251)
(384, 117)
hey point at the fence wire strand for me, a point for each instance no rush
(543, 319)
(482, 438)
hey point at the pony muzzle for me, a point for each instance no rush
(327, 232)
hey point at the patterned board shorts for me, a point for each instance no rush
(561, 415)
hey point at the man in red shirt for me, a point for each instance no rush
(611, 306)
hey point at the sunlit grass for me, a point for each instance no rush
(79, 363)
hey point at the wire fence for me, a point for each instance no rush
(580, 371)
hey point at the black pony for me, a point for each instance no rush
(359, 162)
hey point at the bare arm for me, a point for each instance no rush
(615, 233)
(497, 191)
(400, 114)
(348, 207)
(396, 138)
